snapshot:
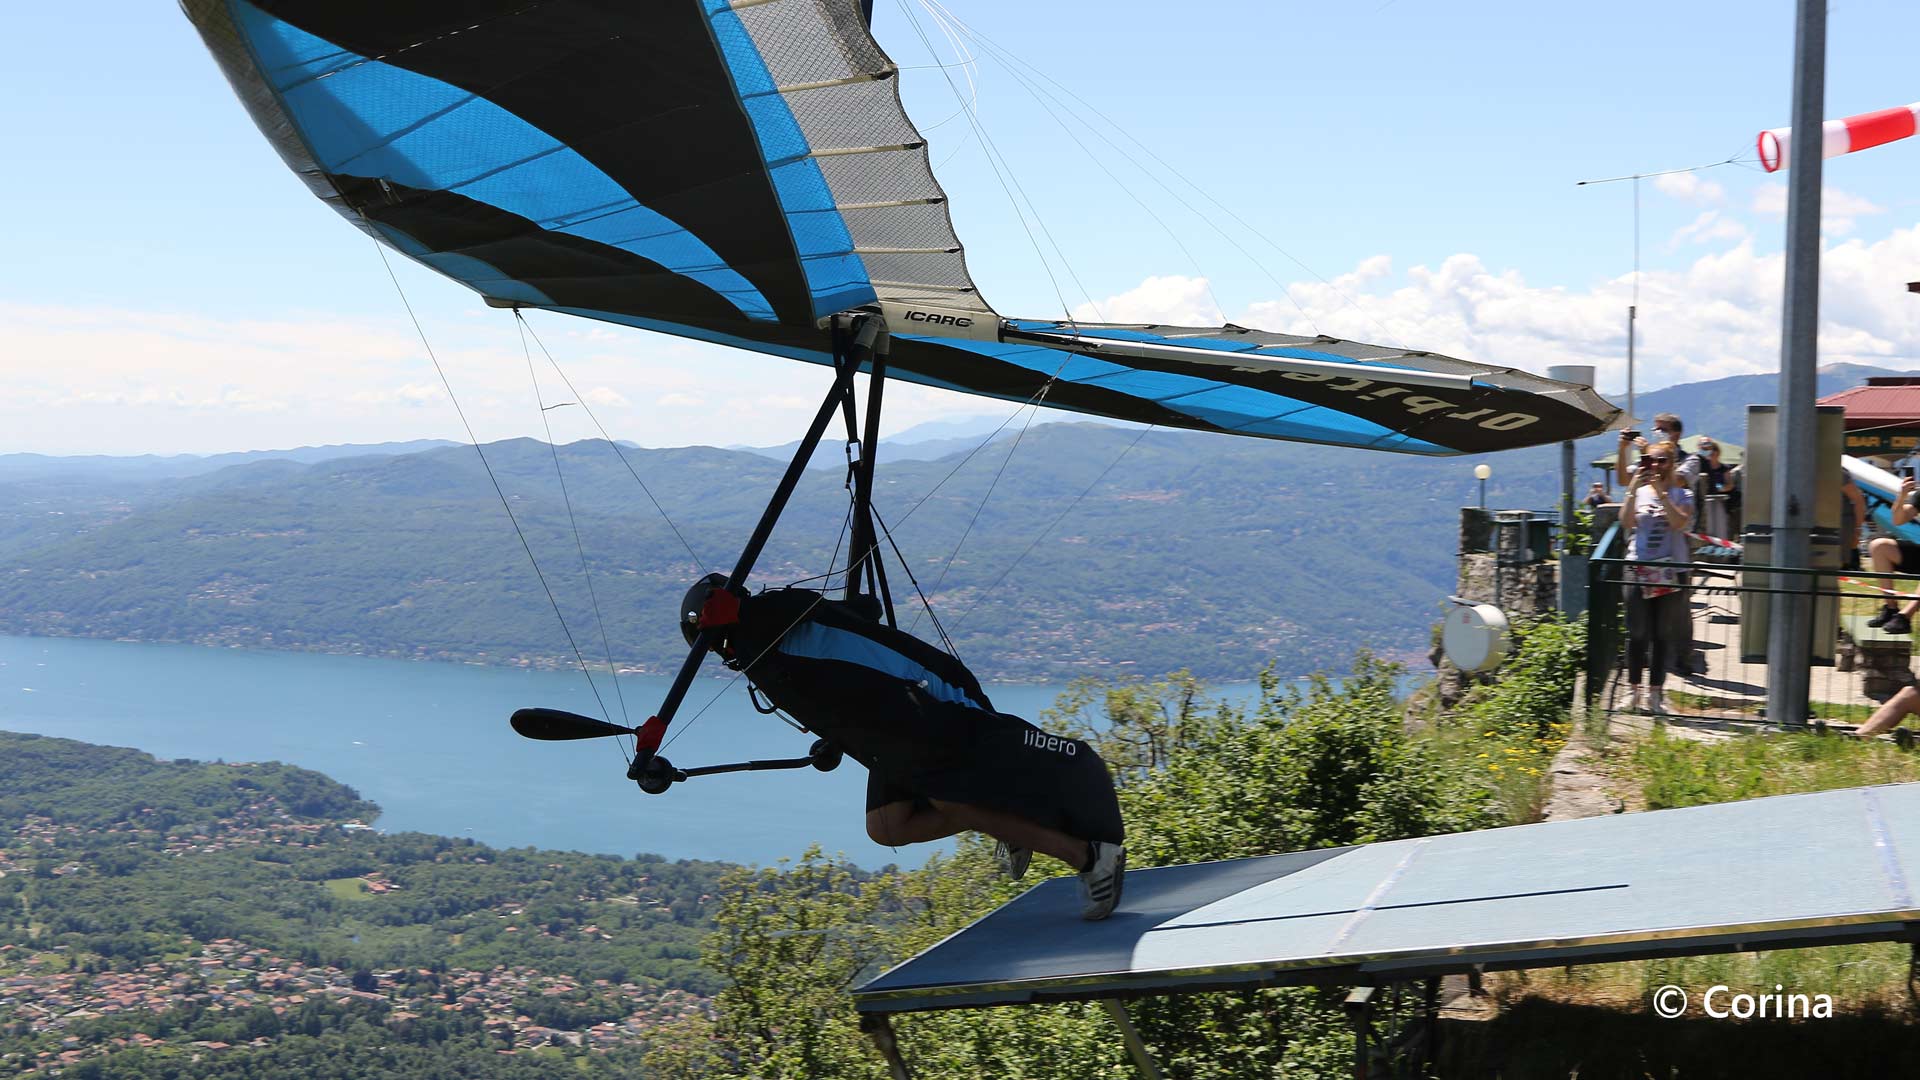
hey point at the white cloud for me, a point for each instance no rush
(1839, 210)
(1173, 300)
(1718, 316)
(1689, 187)
(1709, 227)
(607, 397)
(679, 401)
(411, 394)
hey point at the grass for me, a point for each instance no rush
(1546, 1038)
(348, 888)
(1674, 771)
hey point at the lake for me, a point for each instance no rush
(430, 743)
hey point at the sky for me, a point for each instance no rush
(1401, 171)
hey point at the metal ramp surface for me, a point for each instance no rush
(1791, 870)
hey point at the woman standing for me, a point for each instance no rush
(1657, 513)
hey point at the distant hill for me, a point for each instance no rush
(1193, 550)
(921, 442)
(15, 468)
(1100, 548)
(1719, 407)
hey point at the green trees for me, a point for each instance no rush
(1324, 763)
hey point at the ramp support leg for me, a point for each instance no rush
(1359, 1010)
(880, 1030)
(1142, 1060)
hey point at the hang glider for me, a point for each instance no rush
(742, 173)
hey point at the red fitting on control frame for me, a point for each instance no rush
(647, 739)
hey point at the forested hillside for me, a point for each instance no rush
(171, 915)
(1186, 550)
(1080, 550)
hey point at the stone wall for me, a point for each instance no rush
(1519, 591)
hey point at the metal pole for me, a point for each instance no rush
(1631, 310)
(1143, 1062)
(1789, 636)
(1572, 568)
(880, 1031)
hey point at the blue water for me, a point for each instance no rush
(430, 744)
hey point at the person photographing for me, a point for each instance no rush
(1656, 515)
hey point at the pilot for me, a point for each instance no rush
(940, 759)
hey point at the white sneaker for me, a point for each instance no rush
(1100, 886)
(1656, 702)
(1011, 860)
(1639, 700)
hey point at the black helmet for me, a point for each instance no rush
(696, 601)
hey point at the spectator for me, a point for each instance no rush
(1711, 489)
(1904, 703)
(1853, 513)
(1596, 495)
(1735, 497)
(1666, 426)
(1891, 554)
(1657, 511)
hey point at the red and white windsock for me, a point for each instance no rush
(1844, 136)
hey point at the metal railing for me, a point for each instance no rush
(1718, 678)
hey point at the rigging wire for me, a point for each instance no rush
(988, 591)
(1040, 98)
(1003, 172)
(586, 575)
(1009, 58)
(932, 616)
(581, 400)
(978, 510)
(497, 489)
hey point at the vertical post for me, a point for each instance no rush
(1359, 1010)
(1789, 637)
(1143, 1061)
(880, 1030)
(1631, 310)
(1572, 568)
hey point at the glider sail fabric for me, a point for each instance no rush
(741, 172)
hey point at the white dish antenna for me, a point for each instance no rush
(1476, 636)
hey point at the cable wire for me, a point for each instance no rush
(497, 489)
(573, 522)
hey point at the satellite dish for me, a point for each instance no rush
(1475, 637)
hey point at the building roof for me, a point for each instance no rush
(1885, 400)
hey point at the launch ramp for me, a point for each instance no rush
(1793, 870)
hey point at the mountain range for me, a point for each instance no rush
(1049, 551)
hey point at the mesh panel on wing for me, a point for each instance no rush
(800, 41)
(894, 174)
(940, 269)
(807, 41)
(851, 115)
(920, 226)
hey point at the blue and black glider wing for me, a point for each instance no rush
(741, 172)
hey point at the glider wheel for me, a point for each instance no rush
(826, 756)
(657, 777)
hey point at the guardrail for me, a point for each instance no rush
(1719, 675)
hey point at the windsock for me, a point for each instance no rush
(1844, 136)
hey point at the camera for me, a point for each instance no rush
(1630, 434)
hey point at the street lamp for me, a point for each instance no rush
(1481, 472)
